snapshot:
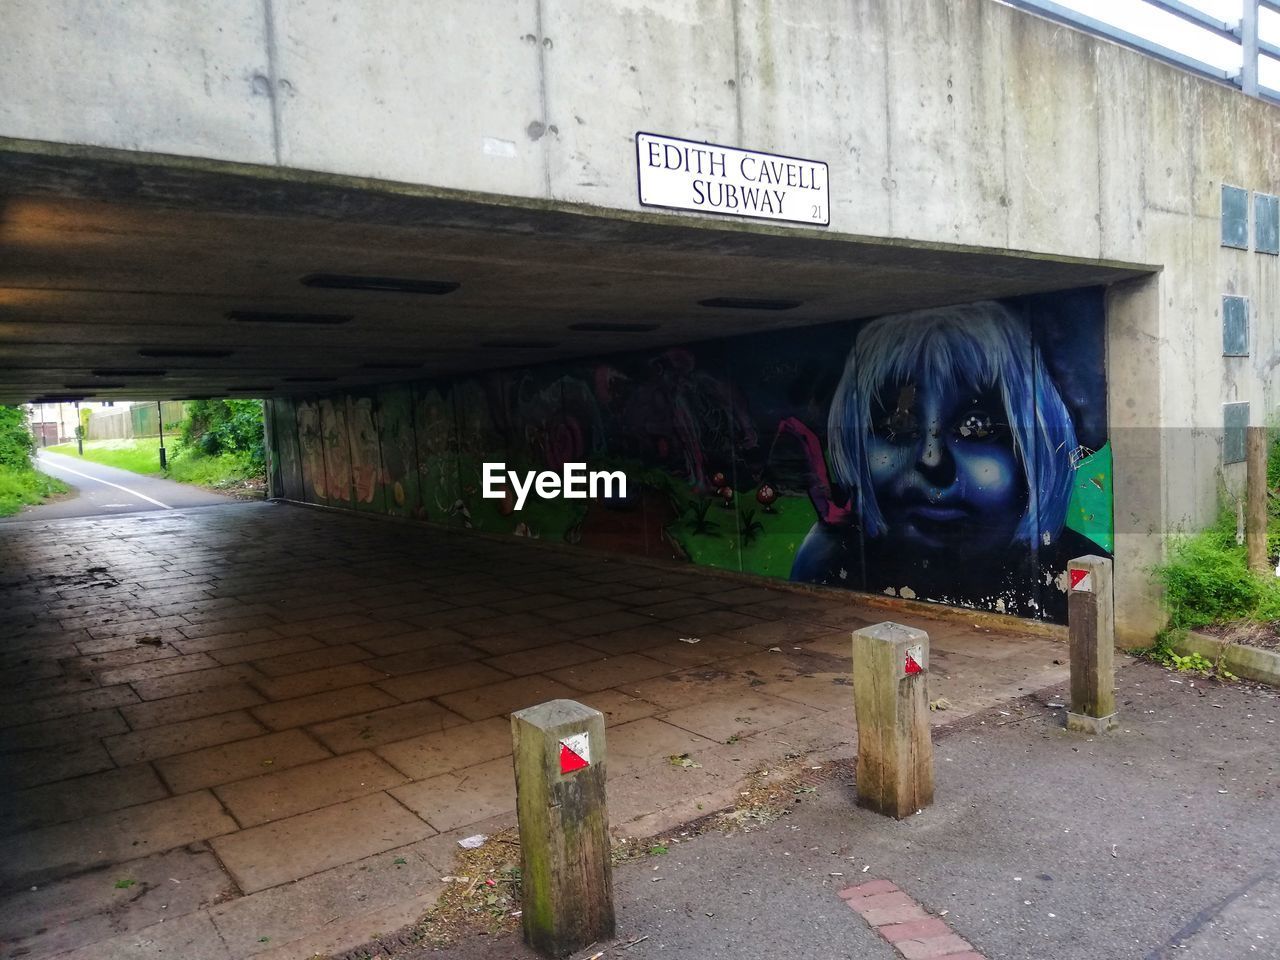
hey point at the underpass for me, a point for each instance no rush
(101, 490)
(243, 713)
(248, 713)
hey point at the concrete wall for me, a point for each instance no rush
(943, 121)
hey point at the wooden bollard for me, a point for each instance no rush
(1091, 623)
(891, 700)
(567, 872)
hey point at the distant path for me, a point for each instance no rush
(104, 491)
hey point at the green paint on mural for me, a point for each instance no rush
(399, 453)
(1090, 512)
(436, 436)
(540, 519)
(746, 537)
(367, 478)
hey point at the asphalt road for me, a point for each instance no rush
(106, 491)
(1161, 841)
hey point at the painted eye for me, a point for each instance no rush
(899, 424)
(978, 425)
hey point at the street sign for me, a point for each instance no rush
(575, 753)
(1082, 580)
(710, 178)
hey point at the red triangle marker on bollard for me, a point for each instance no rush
(570, 762)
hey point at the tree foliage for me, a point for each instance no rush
(16, 442)
(216, 427)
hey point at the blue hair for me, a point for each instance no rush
(978, 345)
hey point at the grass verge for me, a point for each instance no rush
(186, 465)
(20, 488)
(136, 456)
(1207, 579)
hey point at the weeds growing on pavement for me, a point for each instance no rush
(1207, 580)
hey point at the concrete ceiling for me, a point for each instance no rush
(105, 258)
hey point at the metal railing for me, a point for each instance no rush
(1243, 33)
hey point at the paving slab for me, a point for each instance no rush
(103, 839)
(385, 726)
(286, 920)
(285, 793)
(317, 681)
(464, 796)
(65, 705)
(195, 681)
(53, 733)
(317, 707)
(29, 768)
(299, 846)
(505, 697)
(605, 672)
(736, 715)
(192, 937)
(392, 695)
(431, 683)
(120, 899)
(80, 797)
(457, 747)
(191, 706)
(238, 761)
(184, 737)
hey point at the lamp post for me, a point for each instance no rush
(164, 462)
(79, 431)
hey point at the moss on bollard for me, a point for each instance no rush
(1090, 618)
(567, 874)
(891, 700)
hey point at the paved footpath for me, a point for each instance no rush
(250, 714)
(1159, 842)
(102, 490)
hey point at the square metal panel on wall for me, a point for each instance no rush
(1235, 217)
(1235, 327)
(1266, 223)
(1235, 420)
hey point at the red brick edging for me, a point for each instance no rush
(913, 931)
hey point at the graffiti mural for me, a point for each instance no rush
(956, 455)
(335, 445)
(398, 448)
(287, 458)
(949, 442)
(311, 450)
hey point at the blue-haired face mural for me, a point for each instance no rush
(957, 454)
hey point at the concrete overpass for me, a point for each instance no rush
(165, 202)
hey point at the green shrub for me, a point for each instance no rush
(189, 465)
(22, 486)
(216, 427)
(1207, 580)
(16, 442)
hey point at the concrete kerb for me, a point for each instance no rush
(1249, 663)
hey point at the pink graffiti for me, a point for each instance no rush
(824, 502)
